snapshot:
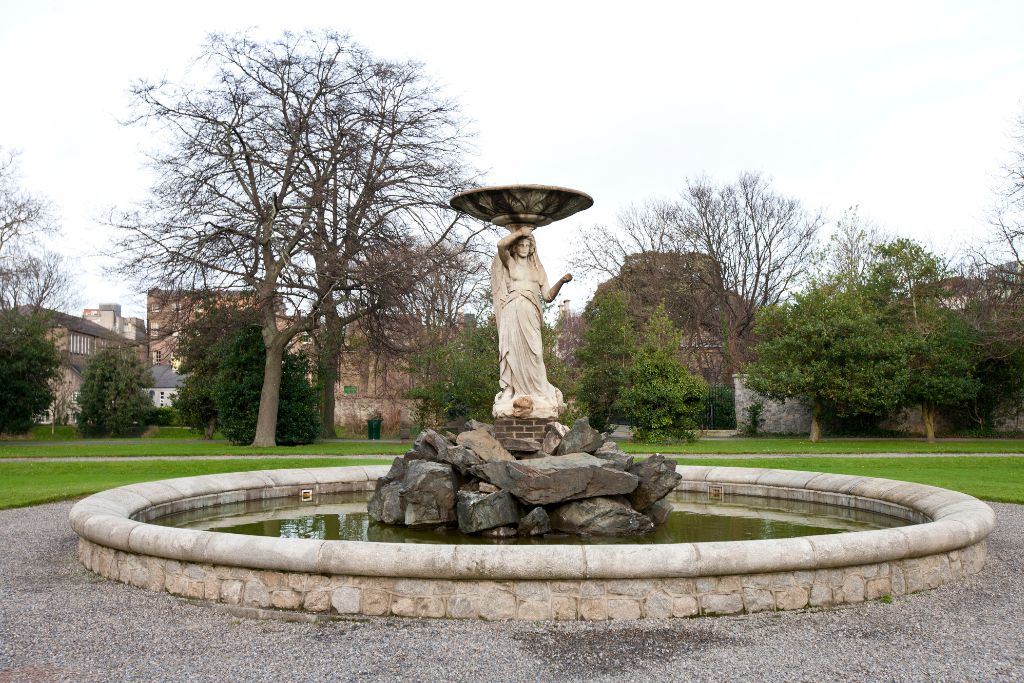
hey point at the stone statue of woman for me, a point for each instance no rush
(518, 284)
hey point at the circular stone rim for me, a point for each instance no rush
(958, 521)
(503, 217)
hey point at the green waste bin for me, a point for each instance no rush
(373, 429)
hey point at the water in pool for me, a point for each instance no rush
(695, 519)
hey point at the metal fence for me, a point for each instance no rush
(719, 408)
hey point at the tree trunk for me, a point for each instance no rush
(816, 422)
(327, 405)
(330, 342)
(728, 368)
(928, 418)
(211, 427)
(270, 395)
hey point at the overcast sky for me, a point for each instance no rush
(903, 108)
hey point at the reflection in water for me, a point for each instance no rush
(695, 519)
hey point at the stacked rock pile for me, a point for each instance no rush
(574, 482)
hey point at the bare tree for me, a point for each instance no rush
(23, 215)
(716, 256)
(995, 281)
(760, 244)
(646, 227)
(422, 306)
(851, 249)
(29, 274)
(39, 278)
(298, 174)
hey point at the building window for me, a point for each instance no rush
(156, 357)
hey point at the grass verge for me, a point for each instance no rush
(32, 483)
(997, 479)
(776, 445)
(198, 448)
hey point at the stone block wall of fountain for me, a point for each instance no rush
(572, 482)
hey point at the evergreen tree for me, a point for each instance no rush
(905, 282)
(830, 346)
(113, 399)
(201, 346)
(605, 356)
(237, 386)
(29, 361)
(663, 400)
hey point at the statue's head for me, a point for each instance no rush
(525, 247)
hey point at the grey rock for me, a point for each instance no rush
(660, 511)
(473, 425)
(484, 487)
(450, 436)
(397, 470)
(429, 444)
(500, 532)
(657, 477)
(582, 438)
(428, 494)
(535, 523)
(461, 458)
(433, 447)
(555, 479)
(483, 443)
(520, 445)
(553, 435)
(386, 504)
(600, 517)
(479, 511)
(611, 452)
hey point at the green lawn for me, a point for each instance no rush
(31, 483)
(157, 447)
(800, 445)
(170, 443)
(998, 479)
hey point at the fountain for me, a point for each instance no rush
(484, 482)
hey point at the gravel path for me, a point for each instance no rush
(60, 623)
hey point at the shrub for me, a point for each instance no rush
(663, 400)
(753, 424)
(164, 416)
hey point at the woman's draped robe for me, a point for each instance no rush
(519, 316)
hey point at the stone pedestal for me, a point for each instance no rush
(521, 428)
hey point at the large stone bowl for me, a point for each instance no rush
(534, 205)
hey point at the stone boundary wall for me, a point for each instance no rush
(794, 417)
(786, 417)
(534, 582)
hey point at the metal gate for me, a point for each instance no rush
(719, 408)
